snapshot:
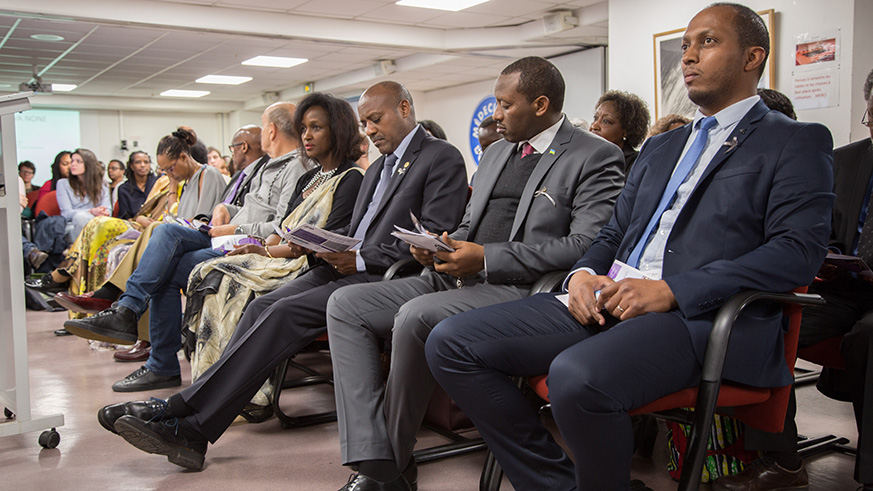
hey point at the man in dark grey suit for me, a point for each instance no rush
(540, 198)
(416, 173)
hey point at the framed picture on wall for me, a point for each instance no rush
(670, 94)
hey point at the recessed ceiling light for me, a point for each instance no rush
(222, 79)
(450, 5)
(274, 61)
(5, 86)
(184, 93)
(63, 87)
(46, 37)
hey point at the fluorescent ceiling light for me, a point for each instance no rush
(222, 79)
(275, 61)
(46, 37)
(184, 93)
(63, 87)
(450, 5)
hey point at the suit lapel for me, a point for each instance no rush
(861, 177)
(368, 187)
(401, 168)
(486, 178)
(744, 128)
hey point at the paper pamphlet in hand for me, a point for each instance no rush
(618, 271)
(853, 264)
(318, 240)
(420, 238)
(193, 224)
(227, 243)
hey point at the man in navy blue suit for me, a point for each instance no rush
(739, 199)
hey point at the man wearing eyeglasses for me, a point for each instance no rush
(248, 159)
(848, 313)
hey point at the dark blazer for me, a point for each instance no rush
(240, 195)
(583, 177)
(131, 199)
(758, 219)
(853, 167)
(430, 180)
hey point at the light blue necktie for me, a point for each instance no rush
(679, 176)
(384, 180)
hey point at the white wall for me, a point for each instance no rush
(633, 22)
(453, 107)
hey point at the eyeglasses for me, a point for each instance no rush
(866, 119)
(230, 147)
(169, 169)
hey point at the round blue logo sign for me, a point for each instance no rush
(484, 109)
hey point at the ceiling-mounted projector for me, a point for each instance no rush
(35, 87)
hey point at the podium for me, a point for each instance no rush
(14, 376)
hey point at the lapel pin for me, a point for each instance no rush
(551, 151)
(406, 166)
(730, 144)
(742, 131)
(542, 192)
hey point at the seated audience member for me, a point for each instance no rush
(115, 173)
(416, 173)
(60, 170)
(174, 250)
(26, 171)
(83, 195)
(668, 123)
(31, 252)
(101, 267)
(623, 119)
(248, 158)
(703, 225)
(140, 179)
(847, 313)
(363, 161)
(220, 289)
(214, 159)
(777, 101)
(487, 133)
(433, 129)
(501, 248)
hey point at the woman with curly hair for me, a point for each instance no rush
(623, 119)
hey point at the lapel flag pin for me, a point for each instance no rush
(551, 151)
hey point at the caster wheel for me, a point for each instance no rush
(49, 438)
(9, 414)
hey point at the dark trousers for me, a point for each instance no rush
(594, 380)
(273, 327)
(848, 313)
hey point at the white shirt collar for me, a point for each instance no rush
(731, 114)
(543, 139)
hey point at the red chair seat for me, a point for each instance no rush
(826, 353)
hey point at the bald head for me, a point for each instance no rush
(387, 114)
(277, 135)
(246, 146)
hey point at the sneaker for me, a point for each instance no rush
(116, 325)
(145, 379)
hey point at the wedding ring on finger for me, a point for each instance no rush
(620, 309)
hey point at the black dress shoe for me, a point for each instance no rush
(150, 410)
(360, 482)
(62, 332)
(181, 443)
(116, 325)
(411, 474)
(762, 475)
(46, 284)
(145, 379)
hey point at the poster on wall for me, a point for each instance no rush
(817, 69)
(670, 94)
(484, 109)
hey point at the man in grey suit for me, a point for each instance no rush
(540, 198)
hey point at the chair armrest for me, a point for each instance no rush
(719, 337)
(549, 282)
(401, 268)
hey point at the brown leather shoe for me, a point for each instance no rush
(139, 352)
(85, 304)
(764, 475)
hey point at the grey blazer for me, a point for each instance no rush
(567, 199)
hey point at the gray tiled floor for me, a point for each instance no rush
(66, 376)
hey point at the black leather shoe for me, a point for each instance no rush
(411, 474)
(360, 482)
(116, 325)
(150, 410)
(182, 444)
(763, 475)
(145, 379)
(62, 332)
(46, 284)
